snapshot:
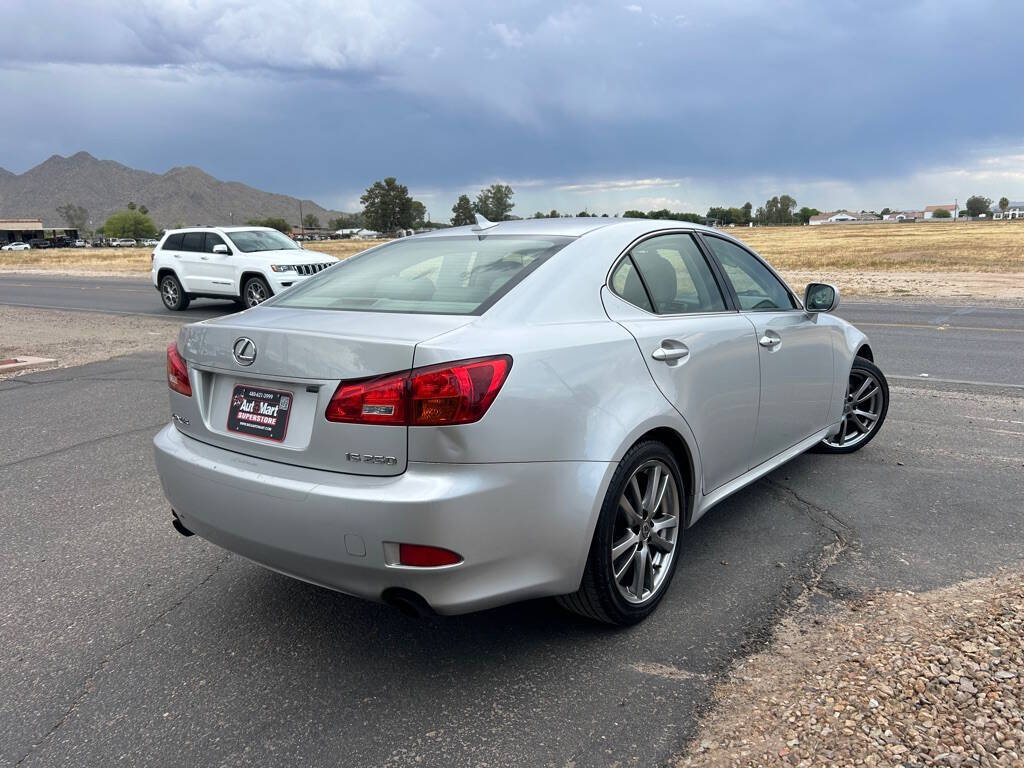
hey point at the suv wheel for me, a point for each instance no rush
(255, 291)
(172, 294)
(634, 551)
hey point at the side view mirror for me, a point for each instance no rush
(221, 248)
(821, 297)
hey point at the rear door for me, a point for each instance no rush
(795, 352)
(700, 352)
(189, 256)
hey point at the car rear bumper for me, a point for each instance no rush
(523, 529)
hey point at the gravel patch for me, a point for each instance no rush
(76, 338)
(900, 679)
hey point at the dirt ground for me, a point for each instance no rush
(75, 338)
(898, 679)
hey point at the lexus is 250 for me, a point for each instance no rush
(510, 410)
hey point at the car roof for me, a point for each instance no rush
(205, 228)
(570, 226)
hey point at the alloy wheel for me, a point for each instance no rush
(862, 408)
(254, 293)
(169, 291)
(646, 532)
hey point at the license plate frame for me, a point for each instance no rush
(256, 411)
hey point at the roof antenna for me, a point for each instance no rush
(483, 224)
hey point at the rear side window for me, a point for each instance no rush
(462, 275)
(173, 242)
(192, 241)
(677, 276)
(626, 284)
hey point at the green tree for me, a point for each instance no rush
(310, 221)
(144, 210)
(462, 212)
(273, 222)
(1004, 203)
(131, 205)
(387, 206)
(553, 214)
(805, 213)
(747, 213)
(346, 221)
(886, 211)
(495, 202)
(129, 223)
(977, 205)
(75, 216)
(942, 213)
(419, 214)
(631, 214)
(777, 210)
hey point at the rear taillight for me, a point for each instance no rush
(446, 394)
(421, 556)
(177, 372)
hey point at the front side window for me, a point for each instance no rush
(213, 239)
(256, 240)
(461, 275)
(677, 277)
(756, 287)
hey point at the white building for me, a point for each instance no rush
(1015, 211)
(838, 217)
(929, 210)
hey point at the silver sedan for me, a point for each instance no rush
(511, 410)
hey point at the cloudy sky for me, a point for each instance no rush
(598, 106)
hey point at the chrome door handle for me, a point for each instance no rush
(769, 341)
(205, 258)
(668, 354)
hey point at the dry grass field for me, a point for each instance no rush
(953, 260)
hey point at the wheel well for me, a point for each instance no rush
(164, 272)
(681, 451)
(246, 275)
(866, 353)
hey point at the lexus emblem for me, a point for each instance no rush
(244, 351)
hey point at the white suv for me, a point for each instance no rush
(247, 264)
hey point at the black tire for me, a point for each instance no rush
(861, 368)
(252, 289)
(172, 294)
(599, 597)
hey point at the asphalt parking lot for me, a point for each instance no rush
(123, 642)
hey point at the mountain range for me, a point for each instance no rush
(181, 197)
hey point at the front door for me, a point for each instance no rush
(795, 352)
(702, 356)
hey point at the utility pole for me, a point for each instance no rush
(302, 231)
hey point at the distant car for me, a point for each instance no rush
(123, 242)
(18, 246)
(38, 242)
(79, 243)
(62, 242)
(247, 264)
(150, 242)
(98, 242)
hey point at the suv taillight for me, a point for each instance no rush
(437, 395)
(177, 372)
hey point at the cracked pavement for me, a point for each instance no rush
(123, 641)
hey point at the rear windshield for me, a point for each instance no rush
(462, 275)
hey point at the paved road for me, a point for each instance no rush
(123, 642)
(956, 342)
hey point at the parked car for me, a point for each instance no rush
(149, 242)
(247, 264)
(485, 414)
(122, 242)
(98, 242)
(79, 243)
(62, 242)
(16, 246)
(38, 242)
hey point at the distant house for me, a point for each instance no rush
(929, 210)
(903, 216)
(358, 233)
(838, 217)
(1015, 211)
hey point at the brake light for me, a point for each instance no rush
(177, 372)
(437, 395)
(426, 557)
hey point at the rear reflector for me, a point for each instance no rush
(437, 395)
(426, 557)
(177, 372)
